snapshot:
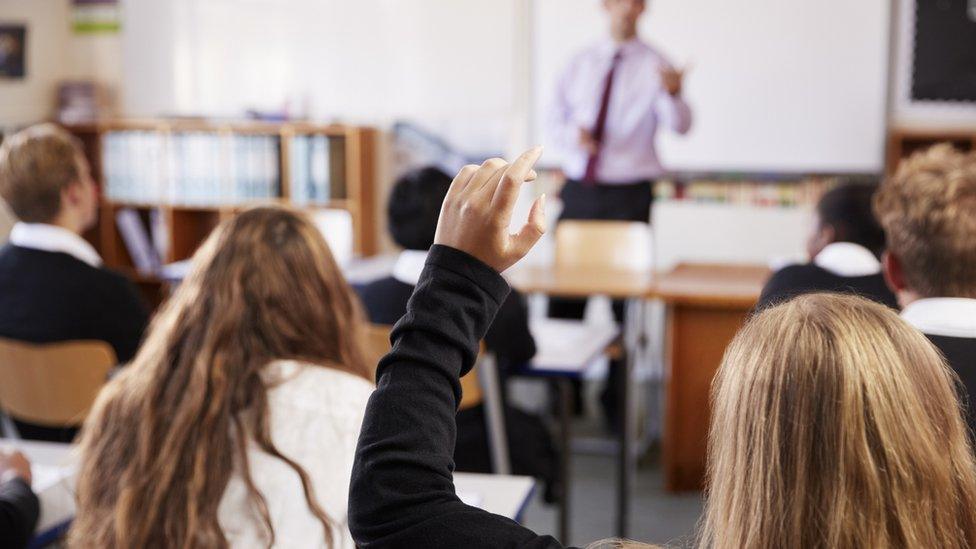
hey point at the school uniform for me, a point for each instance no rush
(843, 267)
(950, 324)
(314, 416)
(19, 510)
(53, 287)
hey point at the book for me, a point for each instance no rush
(137, 241)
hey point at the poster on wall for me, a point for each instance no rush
(95, 16)
(944, 67)
(13, 50)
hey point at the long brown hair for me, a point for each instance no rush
(835, 424)
(164, 437)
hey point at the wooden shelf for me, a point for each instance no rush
(902, 142)
(352, 158)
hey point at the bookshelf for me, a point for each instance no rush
(183, 177)
(902, 142)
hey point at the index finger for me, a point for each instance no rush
(507, 191)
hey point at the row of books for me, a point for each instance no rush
(803, 193)
(310, 169)
(190, 167)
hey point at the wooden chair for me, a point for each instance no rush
(52, 384)
(480, 385)
(610, 245)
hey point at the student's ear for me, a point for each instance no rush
(821, 237)
(73, 194)
(893, 273)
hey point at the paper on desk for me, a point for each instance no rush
(569, 345)
(473, 499)
(54, 486)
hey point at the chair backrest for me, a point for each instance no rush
(378, 345)
(52, 384)
(617, 245)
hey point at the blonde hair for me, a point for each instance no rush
(928, 209)
(36, 164)
(164, 437)
(835, 424)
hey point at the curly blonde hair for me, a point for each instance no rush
(928, 210)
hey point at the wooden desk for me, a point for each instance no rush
(633, 286)
(564, 282)
(706, 306)
(54, 479)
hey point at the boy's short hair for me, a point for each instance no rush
(415, 205)
(928, 209)
(847, 208)
(36, 164)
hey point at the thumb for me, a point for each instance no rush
(532, 231)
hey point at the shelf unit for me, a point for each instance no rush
(352, 169)
(902, 142)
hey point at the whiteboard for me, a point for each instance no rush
(775, 85)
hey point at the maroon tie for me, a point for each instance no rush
(589, 175)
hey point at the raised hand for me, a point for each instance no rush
(478, 208)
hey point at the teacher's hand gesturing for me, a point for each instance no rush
(478, 208)
(672, 79)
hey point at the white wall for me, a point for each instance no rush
(444, 63)
(775, 85)
(54, 54)
(33, 98)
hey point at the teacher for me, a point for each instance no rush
(610, 102)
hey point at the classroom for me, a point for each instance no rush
(506, 273)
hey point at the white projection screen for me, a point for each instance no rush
(776, 85)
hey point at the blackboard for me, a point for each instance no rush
(944, 65)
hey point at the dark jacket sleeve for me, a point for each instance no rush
(509, 336)
(780, 287)
(19, 510)
(126, 319)
(402, 487)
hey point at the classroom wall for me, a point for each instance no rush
(32, 98)
(54, 54)
(441, 62)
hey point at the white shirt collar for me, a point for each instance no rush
(51, 238)
(409, 265)
(847, 259)
(609, 46)
(943, 316)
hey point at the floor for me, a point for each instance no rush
(656, 517)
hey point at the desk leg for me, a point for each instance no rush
(625, 466)
(565, 411)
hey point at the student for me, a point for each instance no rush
(412, 211)
(19, 507)
(53, 286)
(862, 442)
(237, 421)
(845, 251)
(928, 210)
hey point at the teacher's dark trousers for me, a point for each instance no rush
(595, 201)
